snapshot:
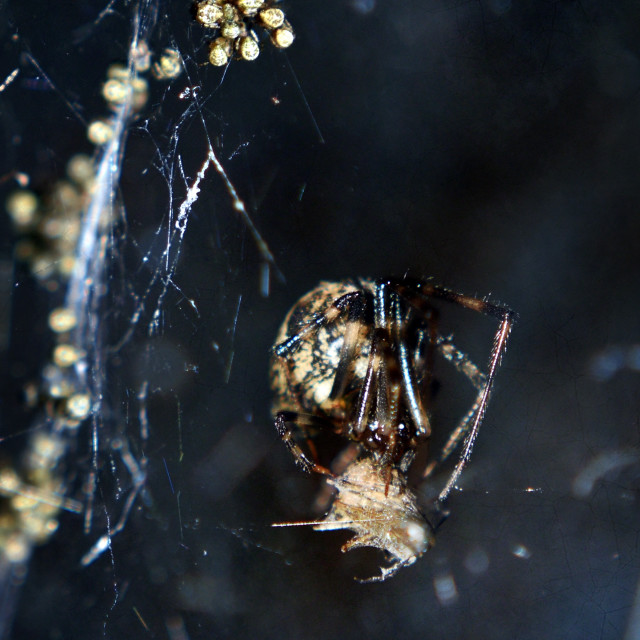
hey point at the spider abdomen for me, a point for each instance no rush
(303, 379)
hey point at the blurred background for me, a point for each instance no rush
(490, 145)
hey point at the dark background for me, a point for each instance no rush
(492, 145)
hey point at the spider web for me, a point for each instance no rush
(484, 143)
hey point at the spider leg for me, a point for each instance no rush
(456, 436)
(417, 294)
(464, 365)
(383, 390)
(379, 398)
(286, 418)
(337, 308)
(368, 389)
(413, 399)
(425, 363)
(499, 346)
(461, 362)
(388, 402)
(390, 381)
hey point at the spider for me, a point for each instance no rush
(355, 358)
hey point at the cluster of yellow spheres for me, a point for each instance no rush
(49, 226)
(29, 513)
(125, 84)
(32, 491)
(33, 495)
(236, 21)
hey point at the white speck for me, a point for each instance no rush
(445, 588)
(520, 551)
(477, 561)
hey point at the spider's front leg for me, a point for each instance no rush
(470, 425)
